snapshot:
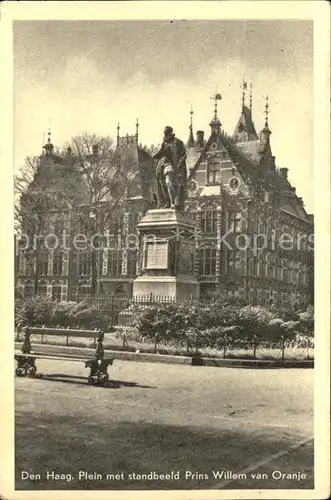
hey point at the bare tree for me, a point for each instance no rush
(106, 175)
(90, 179)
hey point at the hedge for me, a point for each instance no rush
(44, 311)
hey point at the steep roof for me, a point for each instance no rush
(245, 125)
(253, 150)
(192, 157)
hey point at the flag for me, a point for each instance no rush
(244, 85)
(218, 97)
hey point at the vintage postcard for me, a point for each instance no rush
(165, 250)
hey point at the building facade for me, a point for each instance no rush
(254, 238)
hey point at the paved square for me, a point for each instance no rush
(203, 427)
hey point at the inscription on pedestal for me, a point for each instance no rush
(156, 256)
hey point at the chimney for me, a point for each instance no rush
(283, 172)
(200, 139)
(95, 149)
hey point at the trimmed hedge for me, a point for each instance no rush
(217, 324)
(45, 311)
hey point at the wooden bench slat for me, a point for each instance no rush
(60, 357)
(65, 333)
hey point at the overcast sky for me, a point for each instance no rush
(87, 76)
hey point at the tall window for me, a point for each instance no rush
(132, 262)
(56, 291)
(42, 267)
(42, 288)
(209, 221)
(83, 291)
(28, 289)
(208, 261)
(84, 263)
(57, 264)
(265, 266)
(114, 262)
(29, 263)
(233, 262)
(234, 219)
(213, 173)
(59, 225)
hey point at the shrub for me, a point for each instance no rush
(255, 321)
(275, 330)
(61, 314)
(83, 315)
(306, 321)
(44, 311)
(160, 323)
(34, 311)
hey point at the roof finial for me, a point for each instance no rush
(215, 123)
(49, 131)
(217, 97)
(137, 129)
(250, 97)
(48, 147)
(266, 112)
(190, 142)
(118, 134)
(244, 87)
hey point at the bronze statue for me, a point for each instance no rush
(171, 172)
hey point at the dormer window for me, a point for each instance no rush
(213, 173)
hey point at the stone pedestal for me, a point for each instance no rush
(167, 256)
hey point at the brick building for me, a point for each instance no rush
(253, 239)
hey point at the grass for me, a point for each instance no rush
(114, 342)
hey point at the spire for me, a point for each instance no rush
(266, 112)
(137, 130)
(49, 146)
(118, 135)
(49, 132)
(244, 88)
(215, 124)
(266, 132)
(245, 129)
(190, 142)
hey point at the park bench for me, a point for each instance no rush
(26, 358)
